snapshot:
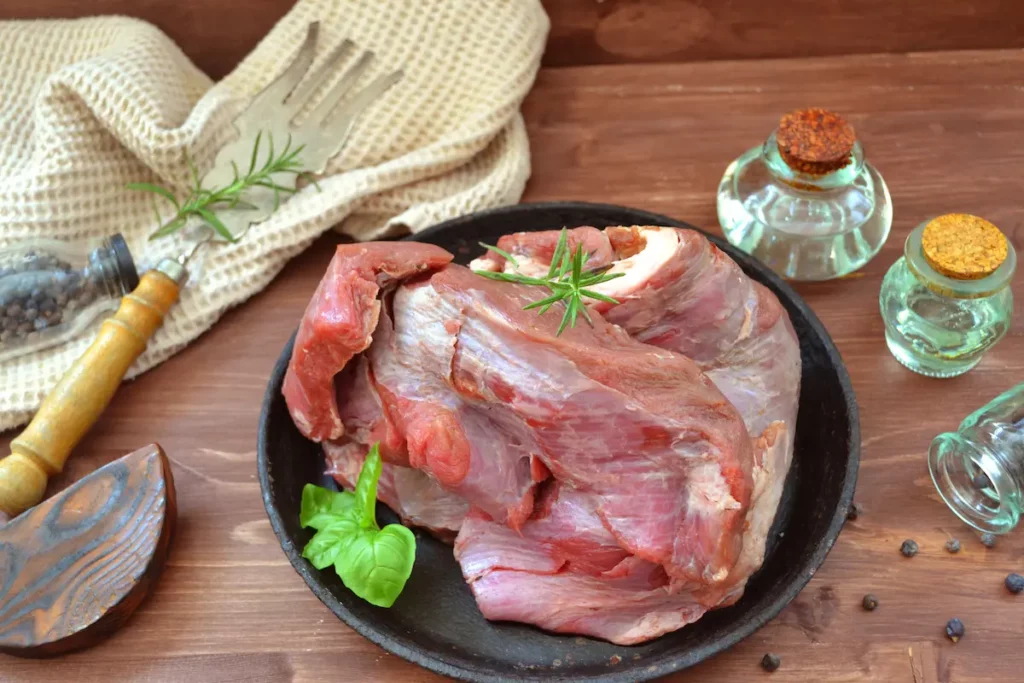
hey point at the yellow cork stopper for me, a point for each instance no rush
(963, 247)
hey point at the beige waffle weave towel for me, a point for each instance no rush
(87, 106)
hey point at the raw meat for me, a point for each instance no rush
(537, 248)
(339, 323)
(567, 574)
(608, 487)
(682, 293)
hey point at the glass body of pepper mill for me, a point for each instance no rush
(948, 300)
(51, 290)
(806, 203)
(979, 469)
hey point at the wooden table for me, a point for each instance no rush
(946, 129)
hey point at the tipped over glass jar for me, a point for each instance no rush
(806, 202)
(51, 290)
(979, 469)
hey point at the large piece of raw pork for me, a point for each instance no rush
(618, 480)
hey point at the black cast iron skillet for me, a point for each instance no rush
(436, 624)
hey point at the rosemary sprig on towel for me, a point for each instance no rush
(202, 202)
(566, 280)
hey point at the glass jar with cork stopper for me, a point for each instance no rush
(806, 202)
(947, 300)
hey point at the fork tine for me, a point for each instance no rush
(339, 120)
(302, 94)
(275, 93)
(341, 88)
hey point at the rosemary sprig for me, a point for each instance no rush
(202, 202)
(568, 282)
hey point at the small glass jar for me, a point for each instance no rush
(939, 324)
(51, 291)
(806, 202)
(979, 469)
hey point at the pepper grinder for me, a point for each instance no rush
(52, 291)
(86, 389)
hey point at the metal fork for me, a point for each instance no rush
(273, 115)
(89, 385)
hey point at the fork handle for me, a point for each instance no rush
(74, 405)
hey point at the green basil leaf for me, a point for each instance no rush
(366, 489)
(329, 543)
(373, 563)
(320, 507)
(376, 564)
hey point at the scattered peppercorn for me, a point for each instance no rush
(770, 662)
(909, 548)
(853, 512)
(1014, 582)
(954, 629)
(988, 540)
(981, 481)
(953, 546)
(870, 602)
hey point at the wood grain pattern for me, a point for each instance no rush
(630, 31)
(217, 35)
(74, 568)
(945, 131)
(83, 393)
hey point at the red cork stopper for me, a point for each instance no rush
(815, 141)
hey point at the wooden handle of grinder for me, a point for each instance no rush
(86, 389)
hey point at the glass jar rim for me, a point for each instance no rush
(827, 181)
(991, 284)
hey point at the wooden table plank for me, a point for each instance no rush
(585, 32)
(944, 129)
(629, 31)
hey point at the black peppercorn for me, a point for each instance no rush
(1014, 582)
(988, 540)
(909, 548)
(853, 512)
(870, 602)
(954, 629)
(770, 662)
(953, 546)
